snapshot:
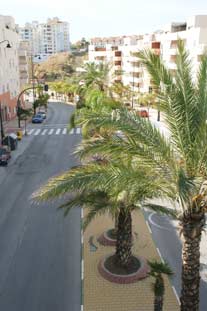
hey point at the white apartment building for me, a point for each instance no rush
(46, 38)
(9, 67)
(119, 51)
(24, 63)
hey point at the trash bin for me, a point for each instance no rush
(11, 141)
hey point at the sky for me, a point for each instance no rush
(102, 18)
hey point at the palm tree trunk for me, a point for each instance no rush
(124, 237)
(158, 303)
(192, 225)
(116, 223)
(159, 290)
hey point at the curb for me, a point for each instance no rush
(82, 263)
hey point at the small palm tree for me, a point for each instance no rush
(157, 271)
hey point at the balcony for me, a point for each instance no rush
(118, 58)
(173, 58)
(135, 64)
(100, 58)
(100, 49)
(117, 63)
(155, 45)
(114, 48)
(135, 74)
(118, 53)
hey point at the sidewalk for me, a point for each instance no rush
(102, 295)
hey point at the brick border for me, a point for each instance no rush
(141, 273)
(105, 240)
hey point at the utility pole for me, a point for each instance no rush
(32, 72)
(1, 124)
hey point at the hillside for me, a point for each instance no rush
(59, 66)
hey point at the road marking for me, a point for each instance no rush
(176, 294)
(37, 132)
(148, 227)
(64, 131)
(154, 223)
(30, 131)
(78, 130)
(82, 269)
(57, 132)
(44, 131)
(71, 131)
(81, 307)
(160, 254)
(50, 131)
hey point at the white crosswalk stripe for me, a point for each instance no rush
(50, 131)
(37, 132)
(44, 131)
(78, 130)
(30, 131)
(55, 131)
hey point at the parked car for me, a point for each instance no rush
(5, 155)
(38, 118)
(142, 113)
(43, 114)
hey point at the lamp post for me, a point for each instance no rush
(1, 124)
(8, 46)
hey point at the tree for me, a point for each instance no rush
(157, 269)
(119, 187)
(41, 101)
(96, 76)
(24, 114)
(182, 161)
(122, 92)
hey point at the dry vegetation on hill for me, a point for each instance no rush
(59, 66)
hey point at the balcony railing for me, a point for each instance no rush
(117, 63)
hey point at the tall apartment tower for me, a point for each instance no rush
(47, 38)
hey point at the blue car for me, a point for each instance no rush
(38, 118)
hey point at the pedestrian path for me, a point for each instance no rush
(53, 131)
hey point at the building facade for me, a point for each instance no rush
(9, 67)
(47, 38)
(24, 63)
(119, 51)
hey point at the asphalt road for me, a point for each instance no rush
(39, 248)
(165, 233)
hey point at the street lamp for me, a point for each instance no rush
(1, 124)
(8, 46)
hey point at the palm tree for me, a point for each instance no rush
(96, 75)
(119, 187)
(157, 269)
(181, 161)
